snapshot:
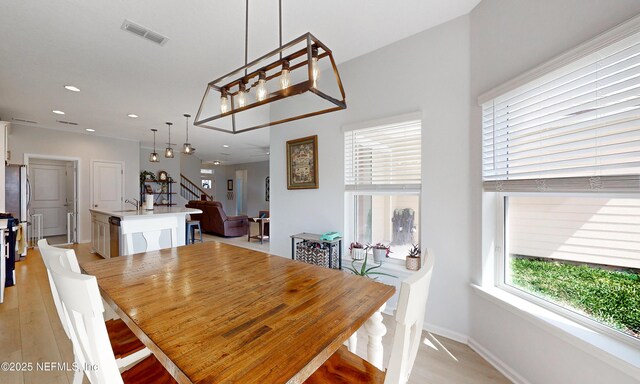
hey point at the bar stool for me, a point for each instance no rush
(190, 231)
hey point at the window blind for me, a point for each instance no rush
(580, 120)
(387, 156)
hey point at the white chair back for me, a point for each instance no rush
(151, 232)
(81, 300)
(69, 258)
(412, 301)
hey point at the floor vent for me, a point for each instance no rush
(143, 32)
(66, 122)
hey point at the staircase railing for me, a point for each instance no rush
(191, 191)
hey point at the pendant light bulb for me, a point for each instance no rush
(242, 94)
(168, 152)
(186, 147)
(285, 76)
(224, 101)
(261, 88)
(315, 69)
(153, 156)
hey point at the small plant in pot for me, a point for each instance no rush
(358, 251)
(380, 251)
(413, 258)
(367, 272)
(147, 176)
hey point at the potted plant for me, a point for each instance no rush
(380, 251)
(413, 258)
(358, 251)
(367, 272)
(146, 176)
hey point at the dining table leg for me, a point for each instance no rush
(375, 330)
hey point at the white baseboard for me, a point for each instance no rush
(498, 364)
(449, 334)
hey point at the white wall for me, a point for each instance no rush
(509, 38)
(86, 147)
(428, 72)
(256, 174)
(190, 166)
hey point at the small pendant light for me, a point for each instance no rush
(168, 152)
(153, 157)
(186, 148)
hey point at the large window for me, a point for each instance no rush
(383, 182)
(561, 155)
(579, 253)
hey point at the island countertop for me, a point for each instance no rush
(130, 213)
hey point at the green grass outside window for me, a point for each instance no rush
(610, 297)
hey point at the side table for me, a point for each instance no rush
(261, 222)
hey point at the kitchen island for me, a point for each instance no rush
(102, 232)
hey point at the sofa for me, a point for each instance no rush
(213, 219)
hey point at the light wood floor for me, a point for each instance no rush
(30, 332)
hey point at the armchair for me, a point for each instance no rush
(214, 220)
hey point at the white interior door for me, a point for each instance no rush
(107, 185)
(49, 197)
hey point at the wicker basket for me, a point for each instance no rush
(310, 253)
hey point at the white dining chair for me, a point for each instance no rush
(126, 346)
(150, 231)
(80, 300)
(346, 367)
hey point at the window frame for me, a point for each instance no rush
(350, 213)
(501, 254)
(350, 192)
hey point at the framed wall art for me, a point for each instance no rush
(302, 163)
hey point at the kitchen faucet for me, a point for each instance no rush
(135, 203)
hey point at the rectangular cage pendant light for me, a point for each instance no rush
(284, 85)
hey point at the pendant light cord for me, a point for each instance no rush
(280, 23)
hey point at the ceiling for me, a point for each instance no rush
(49, 44)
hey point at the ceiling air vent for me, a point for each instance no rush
(66, 122)
(24, 121)
(143, 32)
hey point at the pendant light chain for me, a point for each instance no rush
(246, 36)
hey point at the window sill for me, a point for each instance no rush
(394, 267)
(617, 353)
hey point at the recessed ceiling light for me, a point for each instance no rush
(226, 146)
(216, 162)
(90, 130)
(71, 88)
(268, 153)
(57, 112)
(133, 116)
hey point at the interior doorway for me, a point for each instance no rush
(52, 205)
(241, 192)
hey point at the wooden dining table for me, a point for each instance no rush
(217, 313)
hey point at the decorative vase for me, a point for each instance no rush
(358, 253)
(379, 255)
(413, 263)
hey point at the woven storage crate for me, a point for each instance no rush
(310, 253)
